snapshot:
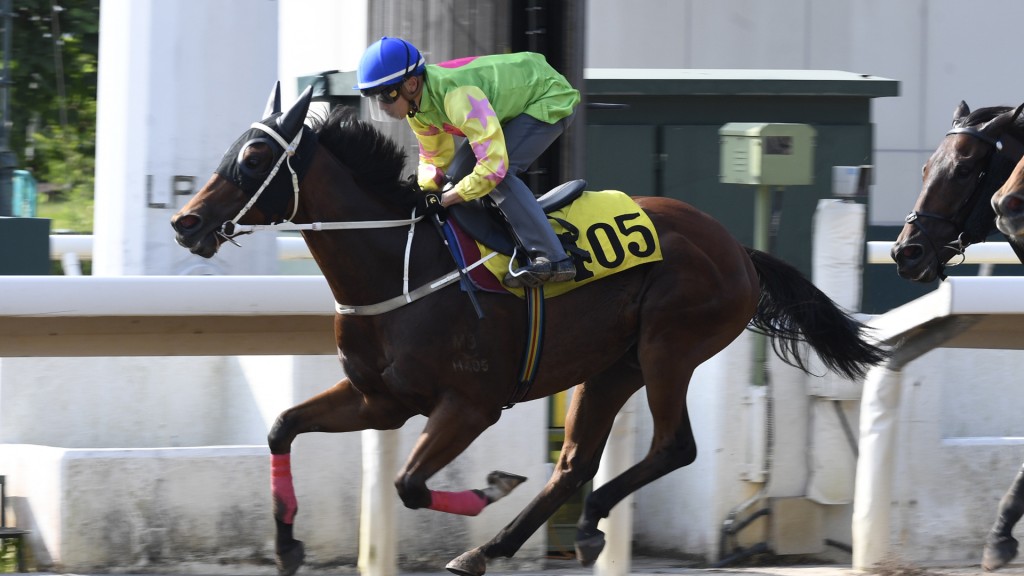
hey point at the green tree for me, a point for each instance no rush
(53, 65)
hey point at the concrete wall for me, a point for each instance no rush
(960, 444)
(194, 508)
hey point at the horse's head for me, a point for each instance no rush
(952, 210)
(256, 181)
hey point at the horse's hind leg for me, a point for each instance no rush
(672, 447)
(588, 423)
(342, 408)
(1000, 545)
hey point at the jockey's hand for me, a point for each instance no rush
(432, 206)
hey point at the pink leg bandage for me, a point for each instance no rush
(467, 503)
(281, 488)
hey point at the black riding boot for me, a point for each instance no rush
(548, 260)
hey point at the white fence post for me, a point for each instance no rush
(615, 559)
(378, 533)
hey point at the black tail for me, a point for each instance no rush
(793, 310)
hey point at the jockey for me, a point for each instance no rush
(509, 107)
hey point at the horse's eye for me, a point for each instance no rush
(255, 158)
(961, 171)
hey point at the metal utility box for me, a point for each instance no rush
(24, 246)
(770, 154)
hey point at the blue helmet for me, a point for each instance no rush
(386, 62)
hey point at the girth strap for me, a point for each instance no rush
(534, 344)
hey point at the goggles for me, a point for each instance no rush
(384, 94)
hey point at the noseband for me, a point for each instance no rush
(962, 214)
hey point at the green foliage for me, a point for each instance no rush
(53, 71)
(69, 157)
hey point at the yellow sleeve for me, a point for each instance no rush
(471, 112)
(436, 151)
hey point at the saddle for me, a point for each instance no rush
(483, 222)
(604, 232)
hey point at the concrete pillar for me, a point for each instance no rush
(178, 82)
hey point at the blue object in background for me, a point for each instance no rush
(23, 194)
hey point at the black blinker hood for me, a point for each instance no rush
(274, 200)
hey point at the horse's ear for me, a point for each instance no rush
(961, 111)
(1016, 114)
(274, 102)
(290, 122)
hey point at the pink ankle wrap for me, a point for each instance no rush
(281, 488)
(467, 503)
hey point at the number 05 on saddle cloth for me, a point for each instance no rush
(608, 229)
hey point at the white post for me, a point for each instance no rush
(166, 110)
(378, 533)
(838, 250)
(879, 413)
(615, 559)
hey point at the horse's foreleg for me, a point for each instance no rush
(1000, 545)
(342, 408)
(451, 428)
(587, 426)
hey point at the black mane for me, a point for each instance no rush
(376, 161)
(982, 115)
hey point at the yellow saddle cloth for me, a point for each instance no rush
(613, 232)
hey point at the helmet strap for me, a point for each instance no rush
(414, 107)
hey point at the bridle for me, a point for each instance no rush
(962, 216)
(230, 229)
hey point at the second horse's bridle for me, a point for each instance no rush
(965, 213)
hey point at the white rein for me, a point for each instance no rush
(231, 229)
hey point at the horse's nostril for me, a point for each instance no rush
(1013, 203)
(186, 222)
(909, 252)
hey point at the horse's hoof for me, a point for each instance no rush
(290, 557)
(505, 480)
(470, 563)
(998, 553)
(499, 484)
(589, 548)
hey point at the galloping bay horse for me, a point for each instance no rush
(967, 182)
(648, 326)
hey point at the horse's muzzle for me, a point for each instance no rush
(192, 234)
(914, 262)
(1009, 209)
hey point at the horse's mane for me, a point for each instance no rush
(982, 115)
(376, 161)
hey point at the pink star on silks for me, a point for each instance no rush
(481, 109)
(431, 131)
(499, 174)
(480, 149)
(427, 154)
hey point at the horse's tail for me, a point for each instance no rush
(791, 309)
